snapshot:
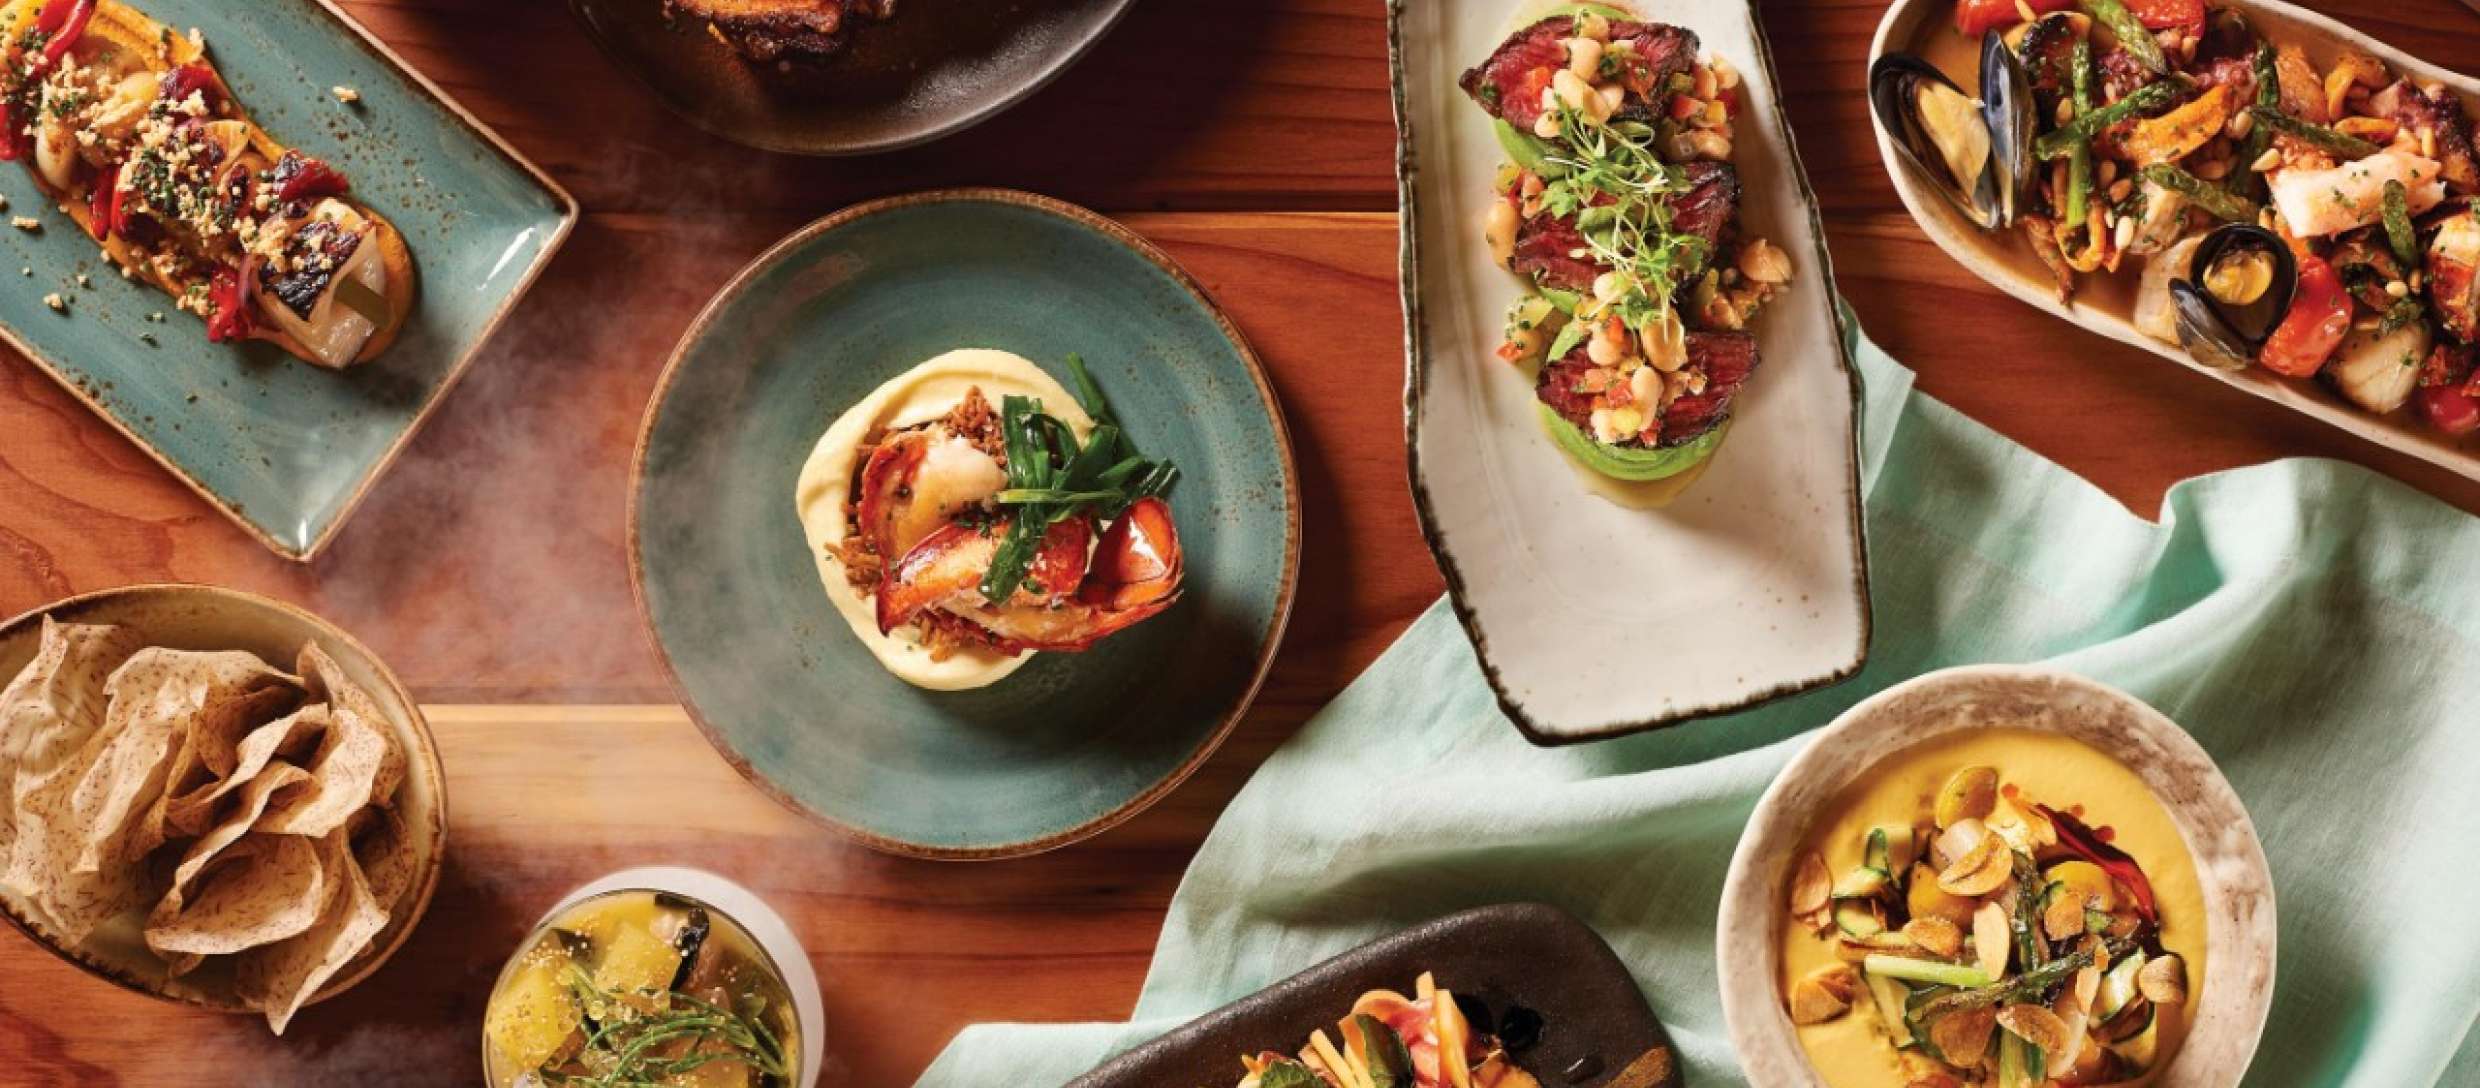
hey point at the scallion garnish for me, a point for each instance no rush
(1052, 477)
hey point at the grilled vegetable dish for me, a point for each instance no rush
(1990, 941)
(1429, 1040)
(128, 127)
(2305, 212)
(958, 535)
(1619, 209)
(636, 989)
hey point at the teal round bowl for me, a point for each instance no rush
(1072, 743)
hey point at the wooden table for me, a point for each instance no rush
(1252, 139)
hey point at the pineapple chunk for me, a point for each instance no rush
(536, 1016)
(636, 964)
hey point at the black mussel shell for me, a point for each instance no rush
(2224, 335)
(1894, 81)
(2014, 120)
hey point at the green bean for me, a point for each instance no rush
(2313, 134)
(2058, 142)
(2132, 36)
(2219, 202)
(2398, 225)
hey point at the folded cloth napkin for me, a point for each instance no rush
(2316, 626)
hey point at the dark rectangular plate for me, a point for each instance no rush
(1526, 954)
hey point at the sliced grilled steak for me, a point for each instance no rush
(1548, 248)
(1726, 358)
(1509, 84)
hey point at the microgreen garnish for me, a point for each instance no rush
(1051, 477)
(1618, 189)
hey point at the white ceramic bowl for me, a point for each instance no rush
(2002, 258)
(2229, 863)
(742, 906)
(198, 617)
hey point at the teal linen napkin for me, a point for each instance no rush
(2315, 625)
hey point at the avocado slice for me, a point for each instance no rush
(1625, 463)
(1604, 10)
(1529, 151)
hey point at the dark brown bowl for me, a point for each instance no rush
(1515, 954)
(935, 67)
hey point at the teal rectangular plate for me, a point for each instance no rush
(285, 448)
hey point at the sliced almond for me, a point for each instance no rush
(1823, 994)
(1979, 871)
(1937, 936)
(2036, 1025)
(1810, 885)
(1964, 1036)
(1992, 938)
(2163, 980)
(1969, 794)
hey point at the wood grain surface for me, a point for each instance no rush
(1250, 138)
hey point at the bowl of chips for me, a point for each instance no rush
(211, 797)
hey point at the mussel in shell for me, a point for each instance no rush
(2236, 291)
(1977, 151)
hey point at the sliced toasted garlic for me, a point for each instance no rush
(1935, 935)
(2163, 980)
(1980, 870)
(1964, 1036)
(1823, 994)
(2036, 1025)
(2064, 916)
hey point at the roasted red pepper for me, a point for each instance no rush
(300, 177)
(2163, 14)
(1977, 17)
(231, 319)
(103, 204)
(2319, 317)
(193, 78)
(62, 22)
(13, 139)
(2079, 840)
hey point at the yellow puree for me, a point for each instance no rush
(1853, 1051)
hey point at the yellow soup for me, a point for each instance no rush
(1854, 1050)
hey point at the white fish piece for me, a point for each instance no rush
(2316, 203)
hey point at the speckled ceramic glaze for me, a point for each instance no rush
(1753, 585)
(2229, 862)
(194, 617)
(939, 66)
(284, 447)
(1070, 744)
(2003, 261)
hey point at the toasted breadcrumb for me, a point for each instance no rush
(26, 222)
(58, 304)
(346, 95)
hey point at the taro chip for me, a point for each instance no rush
(159, 698)
(292, 739)
(280, 978)
(260, 890)
(358, 762)
(51, 716)
(383, 846)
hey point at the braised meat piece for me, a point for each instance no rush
(1510, 82)
(766, 31)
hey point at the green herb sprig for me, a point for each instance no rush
(625, 1044)
(1052, 477)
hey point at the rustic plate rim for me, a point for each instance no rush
(569, 213)
(994, 106)
(2391, 431)
(1417, 370)
(424, 758)
(1755, 1022)
(1277, 624)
